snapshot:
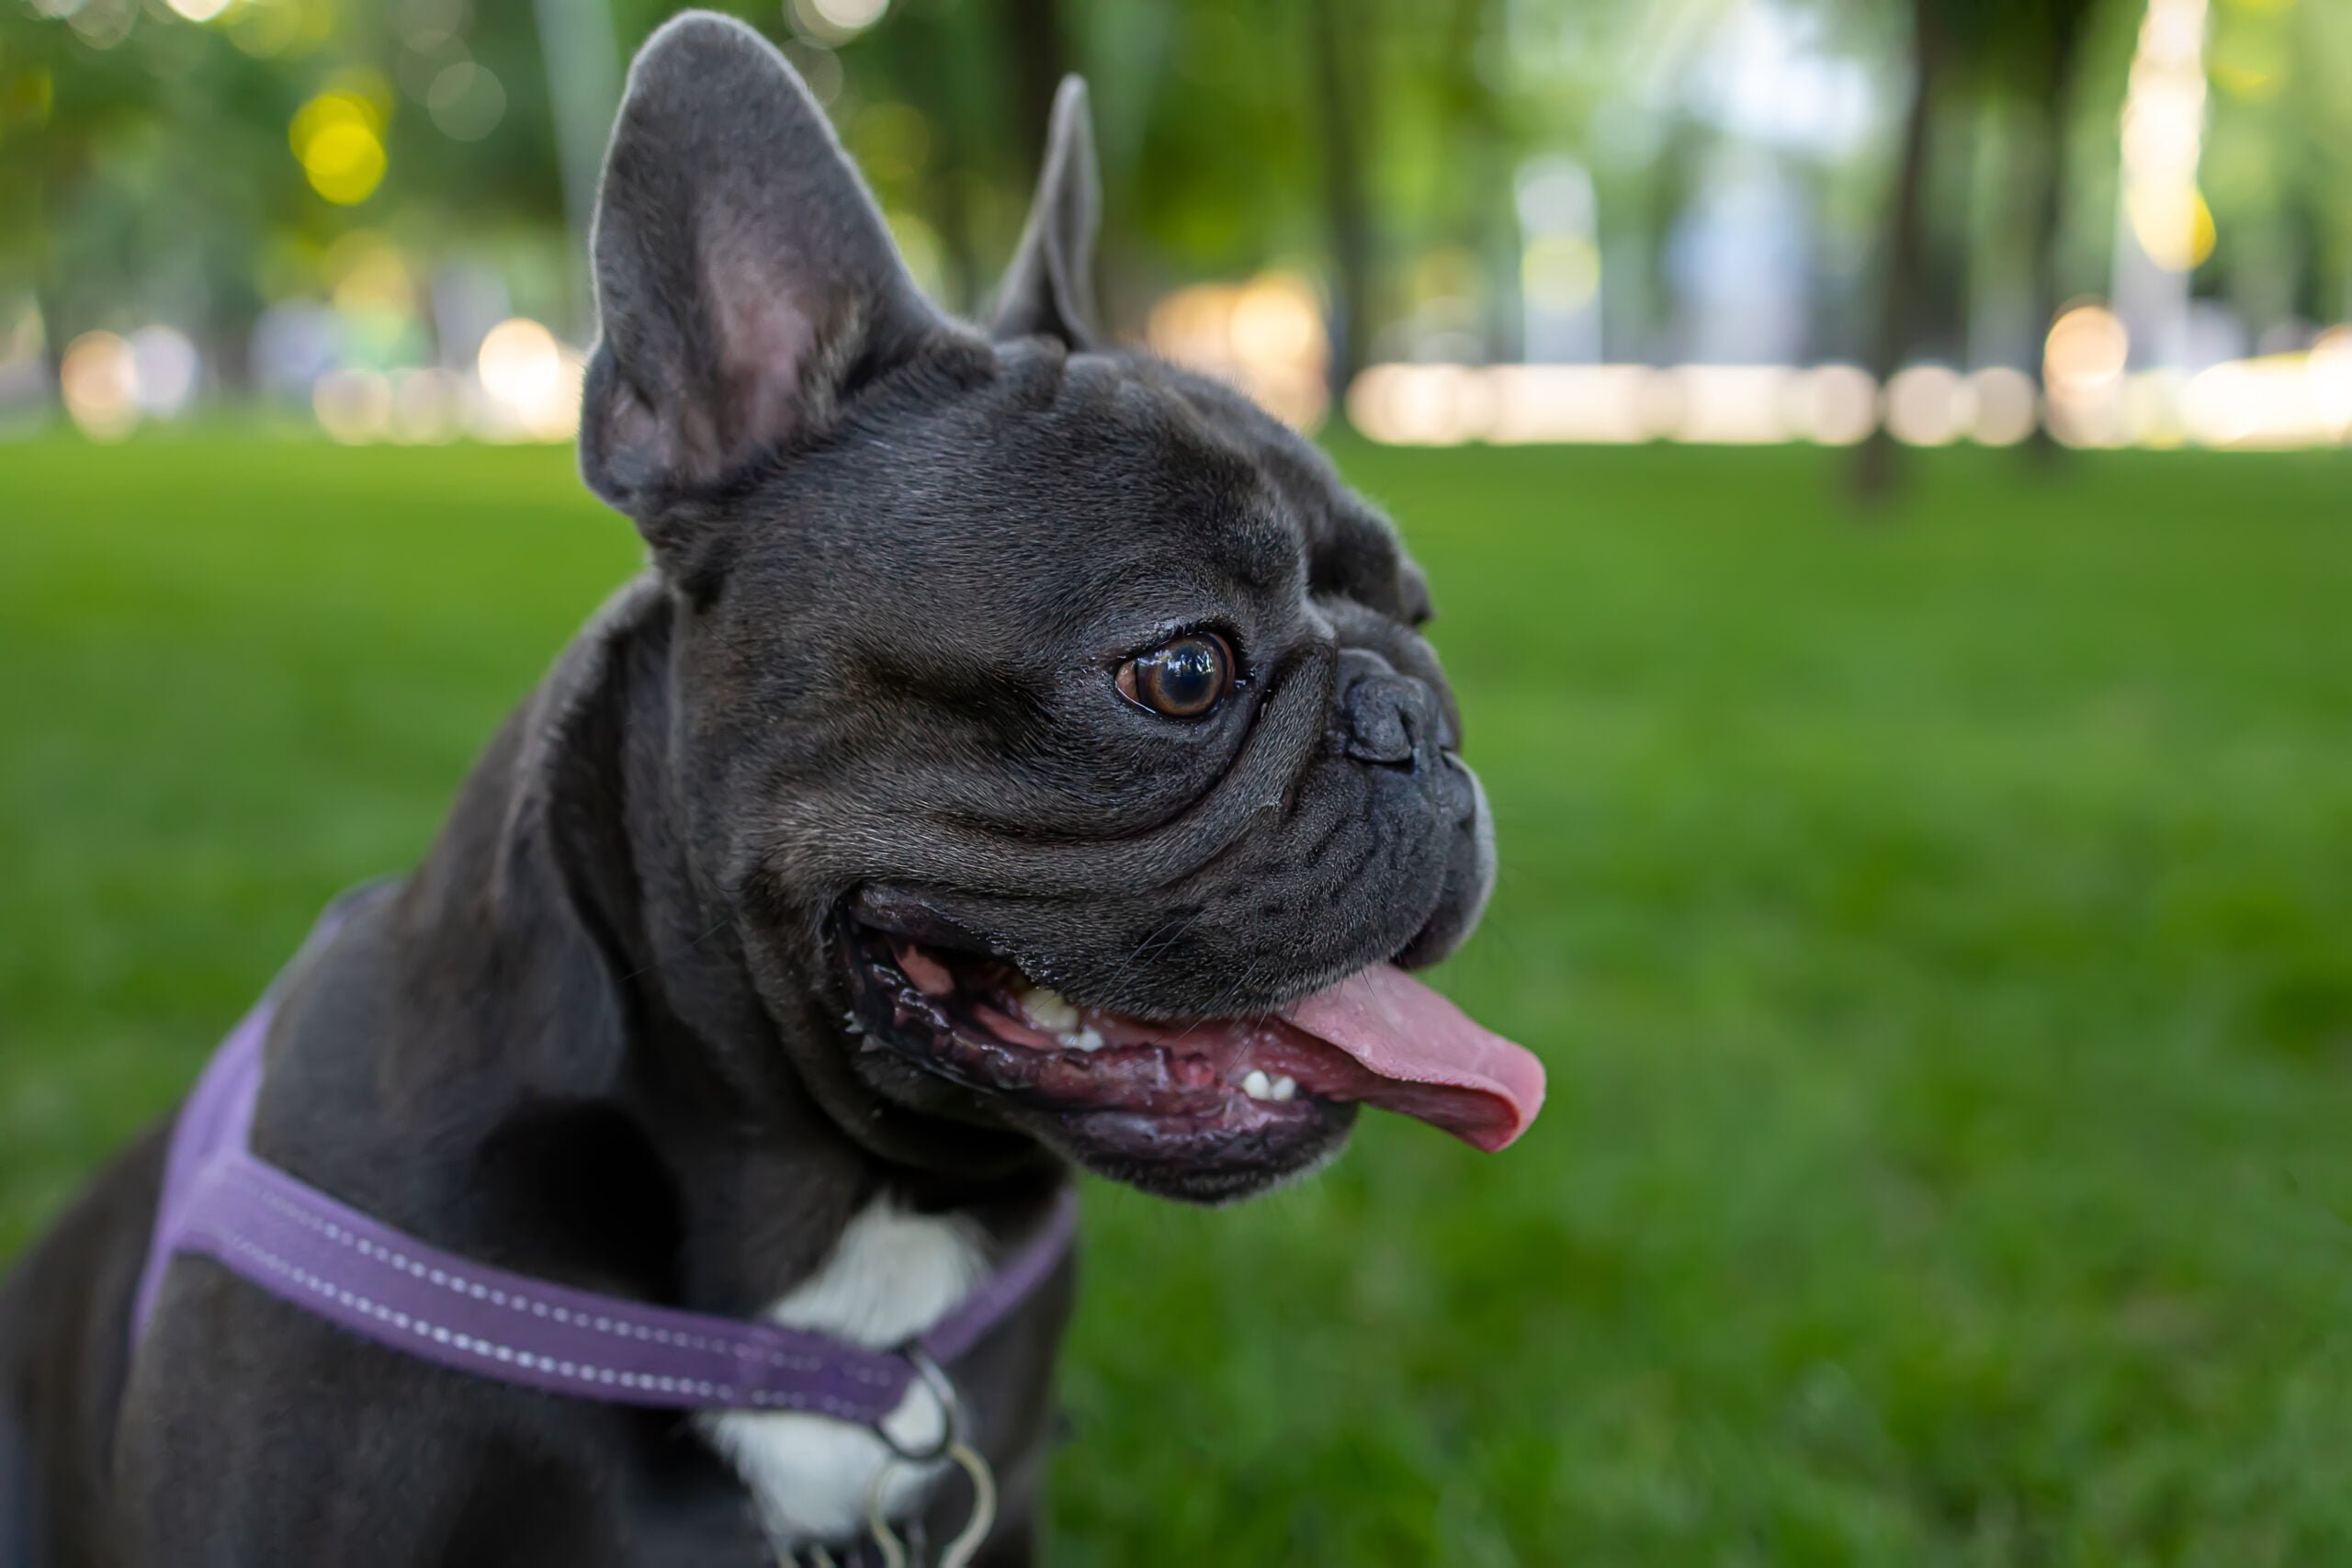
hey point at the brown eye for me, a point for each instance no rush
(1182, 678)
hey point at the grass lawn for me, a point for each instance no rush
(1940, 934)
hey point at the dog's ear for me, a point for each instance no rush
(1050, 287)
(745, 284)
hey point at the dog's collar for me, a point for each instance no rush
(305, 1247)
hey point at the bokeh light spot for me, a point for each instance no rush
(101, 24)
(27, 96)
(850, 14)
(344, 162)
(99, 380)
(2087, 347)
(465, 101)
(1560, 272)
(428, 406)
(1928, 405)
(265, 29)
(338, 138)
(2172, 224)
(517, 360)
(164, 365)
(370, 276)
(893, 141)
(1836, 405)
(833, 21)
(530, 381)
(1278, 322)
(1265, 336)
(2008, 406)
(353, 406)
(819, 66)
(2330, 370)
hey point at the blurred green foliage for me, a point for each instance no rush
(158, 147)
(1935, 935)
(146, 173)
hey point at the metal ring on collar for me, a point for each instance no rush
(951, 1408)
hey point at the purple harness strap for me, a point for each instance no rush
(302, 1247)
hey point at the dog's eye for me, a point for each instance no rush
(1182, 678)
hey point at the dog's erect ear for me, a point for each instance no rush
(1050, 287)
(745, 283)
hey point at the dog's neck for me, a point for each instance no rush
(547, 1049)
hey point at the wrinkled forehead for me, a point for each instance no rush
(1258, 493)
(1179, 462)
(1097, 478)
(1349, 548)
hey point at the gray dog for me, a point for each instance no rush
(1021, 754)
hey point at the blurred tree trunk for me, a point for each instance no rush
(1474, 125)
(1904, 248)
(2067, 22)
(1950, 270)
(1036, 58)
(581, 57)
(1347, 217)
(49, 293)
(52, 330)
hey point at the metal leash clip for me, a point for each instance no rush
(951, 1445)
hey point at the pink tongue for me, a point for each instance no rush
(1397, 1028)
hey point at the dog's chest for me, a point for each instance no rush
(891, 1276)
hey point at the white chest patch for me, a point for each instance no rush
(891, 1276)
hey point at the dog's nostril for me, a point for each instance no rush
(1380, 738)
(1382, 722)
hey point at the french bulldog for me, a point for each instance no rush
(1020, 754)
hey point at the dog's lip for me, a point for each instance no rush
(901, 912)
(971, 1014)
(1377, 1037)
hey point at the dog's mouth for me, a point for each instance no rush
(1379, 1038)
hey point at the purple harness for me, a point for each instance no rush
(302, 1247)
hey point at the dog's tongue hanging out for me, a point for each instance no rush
(1424, 1058)
(1379, 1038)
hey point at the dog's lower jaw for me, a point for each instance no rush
(892, 1110)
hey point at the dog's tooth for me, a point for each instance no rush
(1257, 1087)
(1285, 1087)
(1049, 1011)
(1087, 1040)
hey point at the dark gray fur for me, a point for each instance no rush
(596, 1034)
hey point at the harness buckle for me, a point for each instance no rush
(952, 1445)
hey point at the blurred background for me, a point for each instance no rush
(1749, 221)
(1882, 467)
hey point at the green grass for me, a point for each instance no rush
(1940, 934)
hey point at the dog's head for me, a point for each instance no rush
(1053, 725)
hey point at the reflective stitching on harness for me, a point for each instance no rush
(788, 1361)
(507, 1355)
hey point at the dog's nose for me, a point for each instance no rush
(1387, 717)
